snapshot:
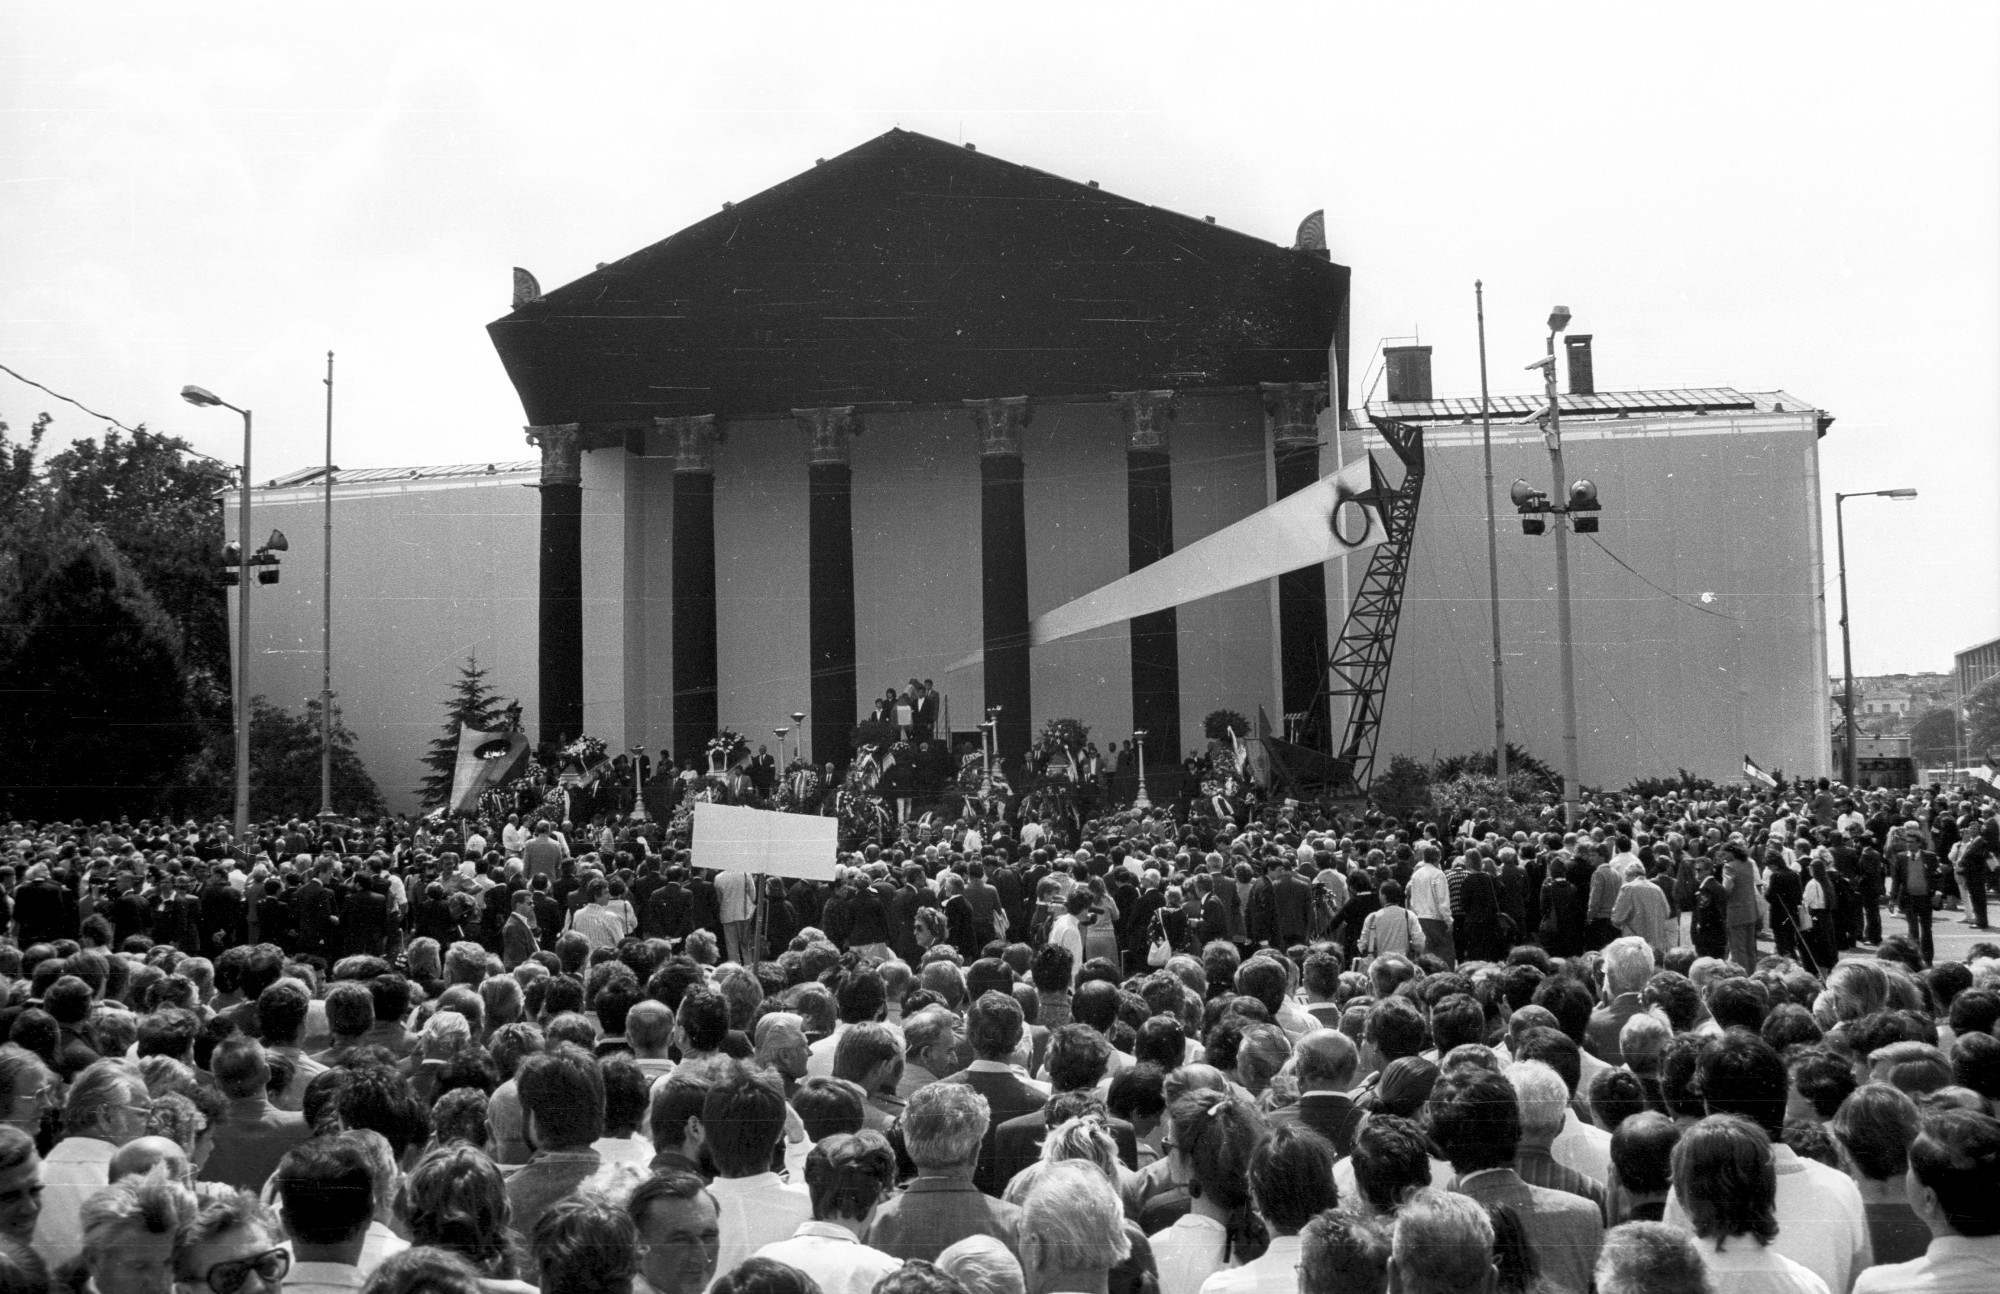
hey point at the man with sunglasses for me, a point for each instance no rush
(231, 1247)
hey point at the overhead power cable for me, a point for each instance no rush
(103, 417)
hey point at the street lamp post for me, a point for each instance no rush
(326, 615)
(207, 399)
(798, 734)
(1846, 647)
(638, 785)
(1140, 801)
(989, 737)
(1565, 638)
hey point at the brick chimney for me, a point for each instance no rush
(1581, 380)
(1409, 373)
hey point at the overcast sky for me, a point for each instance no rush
(1794, 197)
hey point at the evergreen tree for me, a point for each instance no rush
(472, 704)
(95, 701)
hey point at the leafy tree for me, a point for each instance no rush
(284, 769)
(1405, 790)
(1935, 737)
(1982, 721)
(472, 704)
(95, 699)
(1519, 761)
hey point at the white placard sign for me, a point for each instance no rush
(729, 838)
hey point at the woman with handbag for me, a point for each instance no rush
(1391, 930)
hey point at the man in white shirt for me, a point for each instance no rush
(1954, 1186)
(850, 1174)
(1822, 1222)
(742, 1119)
(326, 1199)
(513, 837)
(1291, 1180)
(107, 1107)
(1429, 901)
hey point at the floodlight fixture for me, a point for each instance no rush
(1523, 494)
(200, 396)
(276, 543)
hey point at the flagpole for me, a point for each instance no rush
(1492, 546)
(326, 618)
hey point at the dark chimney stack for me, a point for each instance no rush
(1581, 380)
(1409, 373)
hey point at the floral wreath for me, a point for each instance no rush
(585, 750)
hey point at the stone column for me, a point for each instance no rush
(1003, 570)
(559, 670)
(836, 704)
(1291, 413)
(1149, 528)
(694, 659)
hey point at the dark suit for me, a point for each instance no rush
(1007, 1097)
(364, 923)
(250, 1140)
(1566, 1230)
(1291, 903)
(1600, 1037)
(1333, 1115)
(1018, 1143)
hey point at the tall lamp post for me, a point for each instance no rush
(1846, 648)
(326, 615)
(798, 734)
(208, 399)
(1140, 801)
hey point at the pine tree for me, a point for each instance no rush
(94, 695)
(472, 704)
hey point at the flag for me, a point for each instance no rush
(485, 760)
(1756, 774)
(1340, 513)
(1242, 755)
(1075, 773)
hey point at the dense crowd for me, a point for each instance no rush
(1665, 1050)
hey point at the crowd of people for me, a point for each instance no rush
(1666, 1049)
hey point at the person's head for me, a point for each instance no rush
(849, 1174)
(769, 1276)
(1078, 1057)
(1642, 1151)
(1325, 1061)
(931, 1038)
(1475, 1119)
(1954, 1182)
(1651, 1258)
(1443, 1245)
(1391, 1159)
(326, 1191)
(1213, 1136)
(20, 1184)
(983, 1264)
(137, 1157)
(456, 1199)
(678, 1225)
(424, 1270)
(562, 1097)
(1628, 964)
(870, 1054)
(742, 1118)
(232, 1245)
(1072, 1225)
(1876, 1125)
(1291, 1178)
(942, 1128)
(583, 1245)
(281, 1012)
(1342, 1252)
(128, 1233)
(107, 1101)
(994, 1026)
(28, 1089)
(1726, 1179)
(829, 1105)
(1739, 1073)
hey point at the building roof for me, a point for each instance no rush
(912, 271)
(375, 475)
(1693, 402)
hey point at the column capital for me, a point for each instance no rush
(562, 452)
(831, 429)
(1147, 416)
(1000, 422)
(1291, 412)
(695, 438)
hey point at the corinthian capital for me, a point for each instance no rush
(830, 429)
(1000, 422)
(695, 437)
(1148, 414)
(562, 452)
(1291, 412)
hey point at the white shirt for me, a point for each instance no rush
(1188, 1253)
(756, 1211)
(381, 1243)
(76, 1169)
(1583, 1147)
(1822, 1223)
(322, 1278)
(1429, 898)
(514, 837)
(1277, 1272)
(1952, 1265)
(819, 1056)
(735, 895)
(832, 1256)
(636, 1151)
(1747, 1267)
